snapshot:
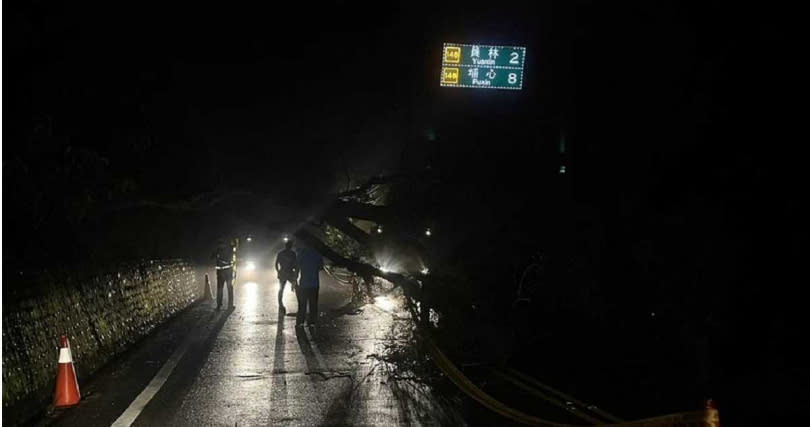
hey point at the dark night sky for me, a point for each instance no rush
(271, 93)
(661, 102)
(205, 75)
(664, 105)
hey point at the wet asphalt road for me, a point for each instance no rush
(250, 366)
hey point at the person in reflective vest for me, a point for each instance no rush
(224, 259)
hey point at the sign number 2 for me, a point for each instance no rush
(515, 58)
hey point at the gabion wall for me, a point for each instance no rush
(101, 314)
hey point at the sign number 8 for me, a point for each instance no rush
(512, 78)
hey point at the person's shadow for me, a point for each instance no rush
(280, 348)
(279, 395)
(306, 349)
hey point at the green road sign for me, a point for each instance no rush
(482, 66)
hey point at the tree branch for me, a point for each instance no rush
(351, 230)
(351, 209)
(362, 269)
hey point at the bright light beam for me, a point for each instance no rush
(251, 290)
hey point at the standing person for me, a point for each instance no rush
(287, 269)
(310, 263)
(224, 257)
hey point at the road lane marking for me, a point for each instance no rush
(136, 407)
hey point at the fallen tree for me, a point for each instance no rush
(449, 305)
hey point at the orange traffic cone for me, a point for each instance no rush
(207, 295)
(67, 387)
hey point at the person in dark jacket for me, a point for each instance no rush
(287, 269)
(310, 263)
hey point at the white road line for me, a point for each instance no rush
(128, 417)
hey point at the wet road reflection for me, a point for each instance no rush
(261, 370)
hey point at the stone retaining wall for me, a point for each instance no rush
(102, 314)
